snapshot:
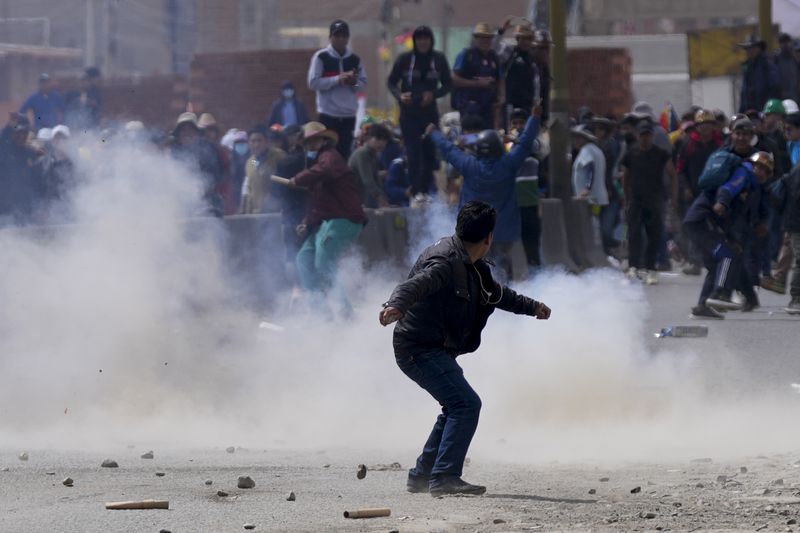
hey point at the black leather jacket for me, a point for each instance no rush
(447, 300)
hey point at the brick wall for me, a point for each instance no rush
(238, 88)
(155, 100)
(601, 79)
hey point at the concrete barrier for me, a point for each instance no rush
(385, 237)
(583, 235)
(554, 243)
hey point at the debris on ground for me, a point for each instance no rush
(230, 449)
(160, 474)
(368, 513)
(209, 482)
(498, 521)
(249, 526)
(245, 482)
(291, 497)
(148, 455)
(142, 504)
(391, 467)
(362, 471)
(604, 480)
(23, 456)
(109, 463)
(68, 482)
(636, 490)
(222, 494)
(742, 469)
(683, 331)
(592, 491)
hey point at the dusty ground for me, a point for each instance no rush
(682, 496)
(692, 493)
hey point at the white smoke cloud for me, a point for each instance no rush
(129, 290)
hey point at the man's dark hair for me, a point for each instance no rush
(475, 221)
(380, 132)
(472, 123)
(261, 129)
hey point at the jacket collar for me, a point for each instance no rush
(331, 50)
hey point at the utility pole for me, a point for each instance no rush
(559, 129)
(765, 23)
(89, 49)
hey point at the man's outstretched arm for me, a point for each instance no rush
(520, 304)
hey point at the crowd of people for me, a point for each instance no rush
(716, 192)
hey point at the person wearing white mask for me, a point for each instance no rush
(288, 110)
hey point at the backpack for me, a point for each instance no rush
(718, 169)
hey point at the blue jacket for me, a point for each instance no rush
(493, 180)
(744, 211)
(397, 183)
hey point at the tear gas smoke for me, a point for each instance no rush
(126, 327)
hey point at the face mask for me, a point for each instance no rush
(312, 154)
(240, 148)
(287, 93)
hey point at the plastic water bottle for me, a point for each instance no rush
(683, 331)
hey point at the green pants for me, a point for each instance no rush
(320, 253)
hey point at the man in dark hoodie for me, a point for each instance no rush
(288, 110)
(418, 78)
(521, 86)
(759, 77)
(441, 310)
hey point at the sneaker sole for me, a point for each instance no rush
(729, 306)
(436, 494)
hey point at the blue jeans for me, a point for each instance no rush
(439, 374)
(321, 251)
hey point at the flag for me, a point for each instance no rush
(669, 118)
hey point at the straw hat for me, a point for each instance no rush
(524, 30)
(206, 120)
(483, 29)
(317, 129)
(583, 131)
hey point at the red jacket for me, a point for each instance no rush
(333, 191)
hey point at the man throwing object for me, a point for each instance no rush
(442, 308)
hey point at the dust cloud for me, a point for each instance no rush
(124, 327)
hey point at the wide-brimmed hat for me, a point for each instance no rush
(313, 130)
(752, 41)
(524, 30)
(483, 29)
(542, 38)
(703, 116)
(642, 109)
(184, 119)
(206, 120)
(605, 121)
(583, 131)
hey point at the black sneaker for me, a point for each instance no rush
(720, 301)
(703, 312)
(417, 483)
(454, 485)
(749, 305)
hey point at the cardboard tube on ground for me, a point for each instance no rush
(368, 513)
(144, 504)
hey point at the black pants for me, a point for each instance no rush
(420, 152)
(344, 127)
(648, 218)
(531, 234)
(724, 273)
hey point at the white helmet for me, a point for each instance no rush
(791, 107)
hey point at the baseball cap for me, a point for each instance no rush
(339, 26)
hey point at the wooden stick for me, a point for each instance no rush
(278, 179)
(368, 513)
(144, 504)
